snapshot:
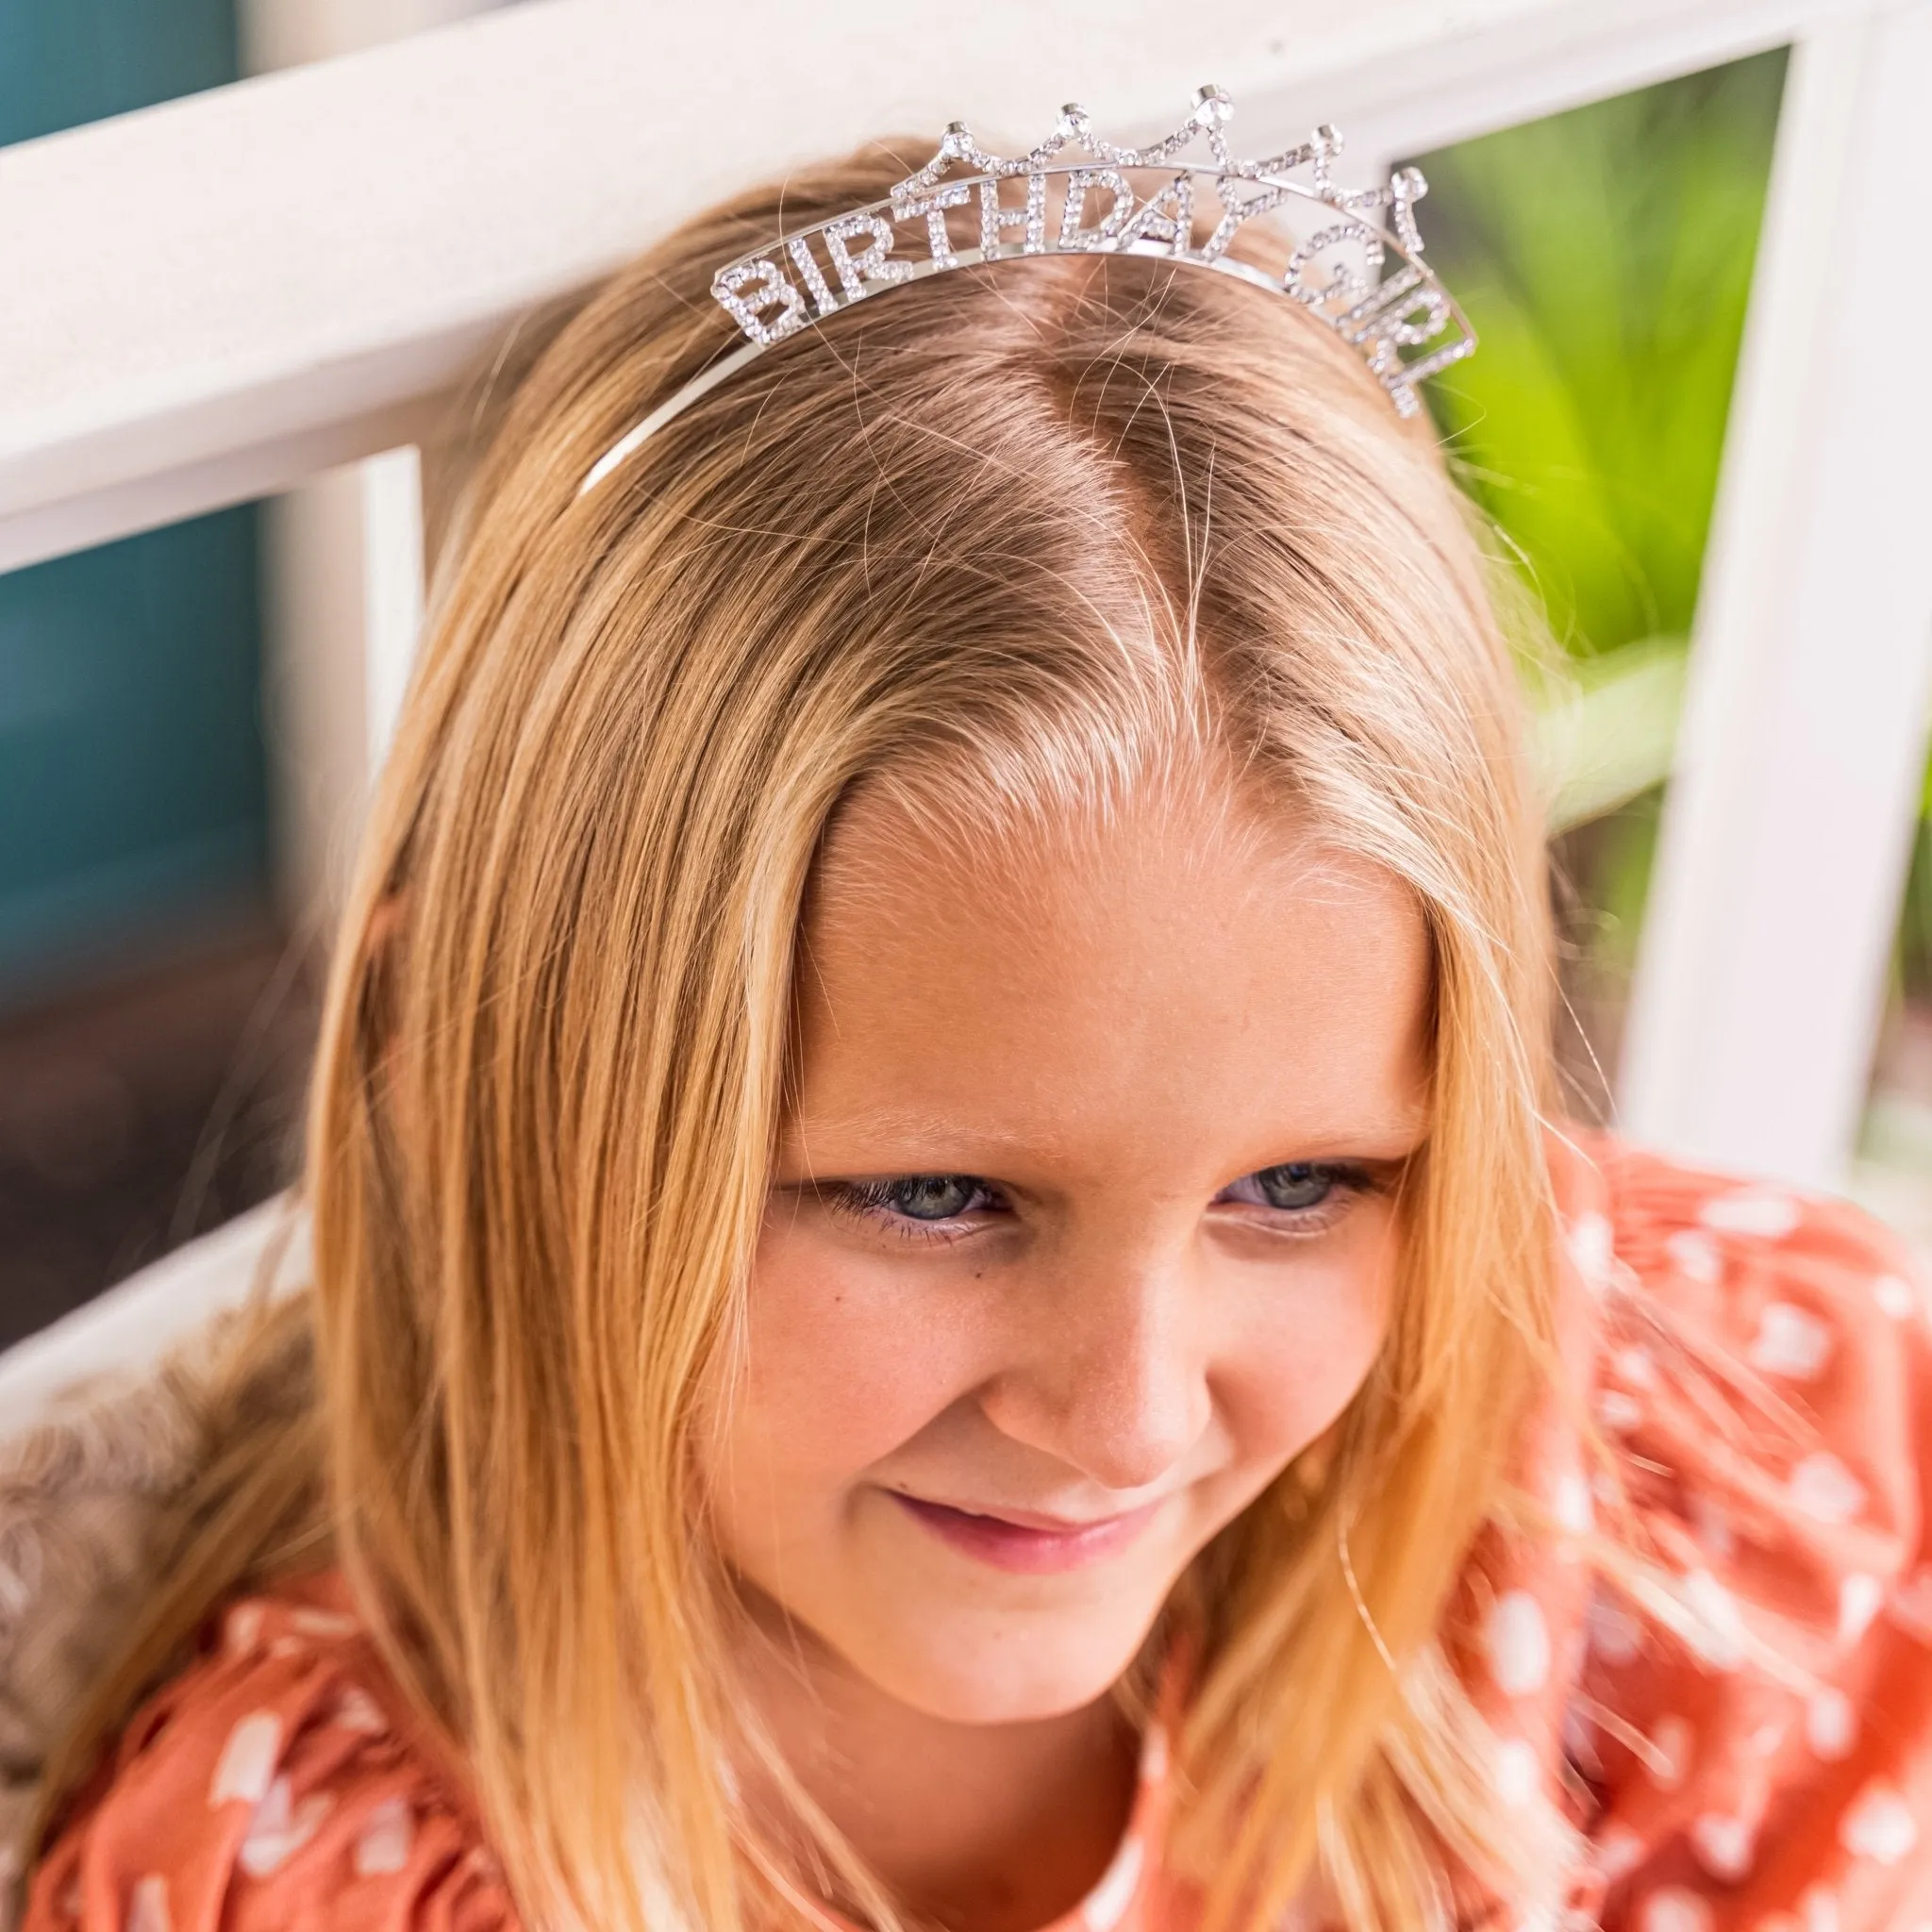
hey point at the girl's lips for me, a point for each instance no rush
(1034, 1546)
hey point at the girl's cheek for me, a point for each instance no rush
(844, 1363)
(1303, 1355)
(849, 1360)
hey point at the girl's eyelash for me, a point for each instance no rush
(872, 1201)
(1346, 1180)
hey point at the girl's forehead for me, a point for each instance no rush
(1151, 968)
(1069, 840)
(897, 876)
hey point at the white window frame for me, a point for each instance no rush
(217, 298)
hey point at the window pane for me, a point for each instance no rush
(1605, 257)
(148, 1066)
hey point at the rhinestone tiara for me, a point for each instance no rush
(1353, 257)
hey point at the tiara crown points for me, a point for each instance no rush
(1355, 260)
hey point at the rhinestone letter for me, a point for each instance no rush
(1074, 209)
(933, 207)
(870, 264)
(771, 288)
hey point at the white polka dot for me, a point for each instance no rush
(1107, 1903)
(356, 1710)
(1570, 1504)
(1615, 1635)
(1635, 1365)
(1879, 1825)
(1912, 1604)
(1518, 1644)
(1618, 1412)
(241, 1628)
(1674, 1909)
(1755, 1210)
(1895, 1298)
(1831, 1725)
(323, 1623)
(1791, 1341)
(1592, 1247)
(1824, 1489)
(280, 1828)
(386, 1839)
(1695, 1256)
(1618, 1851)
(1819, 1908)
(147, 1905)
(1710, 1525)
(1671, 1744)
(1714, 1602)
(1723, 1846)
(248, 1760)
(1154, 1755)
(1859, 1599)
(1518, 1775)
(1768, 1739)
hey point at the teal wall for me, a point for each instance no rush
(66, 61)
(133, 792)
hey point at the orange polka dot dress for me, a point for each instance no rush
(1748, 1750)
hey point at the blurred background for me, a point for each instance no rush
(183, 750)
(182, 758)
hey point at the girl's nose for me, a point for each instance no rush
(1111, 1377)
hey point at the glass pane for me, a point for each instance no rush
(1605, 257)
(133, 792)
(148, 1065)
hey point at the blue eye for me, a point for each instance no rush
(1313, 1192)
(924, 1206)
(1295, 1184)
(927, 1196)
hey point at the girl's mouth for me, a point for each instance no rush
(1030, 1544)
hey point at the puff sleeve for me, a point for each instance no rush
(1757, 1744)
(274, 1787)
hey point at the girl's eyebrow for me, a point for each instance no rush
(1391, 1134)
(906, 1130)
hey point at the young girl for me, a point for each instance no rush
(947, 1291)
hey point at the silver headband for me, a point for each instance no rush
(1366, 280)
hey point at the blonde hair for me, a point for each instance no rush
(1010, 540)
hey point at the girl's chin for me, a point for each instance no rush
(1001, 1674)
